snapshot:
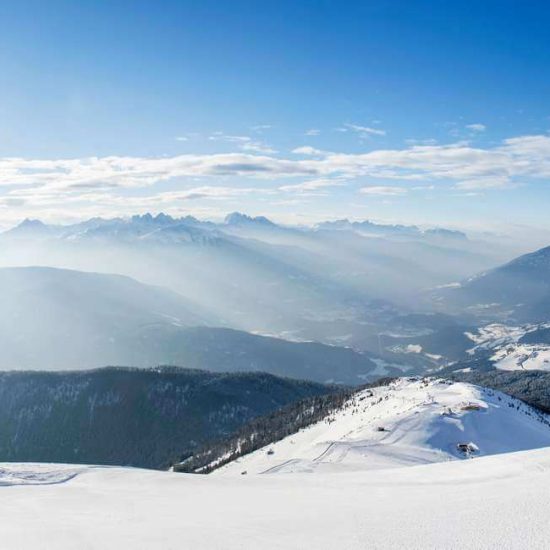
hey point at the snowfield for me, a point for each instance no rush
(375, 500)
(406, 423)
(523, 357)
(495, 335)
(508, 353)
(498, 502)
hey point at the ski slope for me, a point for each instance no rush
(407, 423)
(362, 494)
(498, 502)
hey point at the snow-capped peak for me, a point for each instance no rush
(237, 218)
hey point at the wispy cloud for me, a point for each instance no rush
(208, 192)
(221, 136)
(258, 147)
(485, 183)
(245, 143)
(261, 127)
(362, 131)
(307, 150)
(459, 166)
(312, 132)
(382, 190)
(311, 186)
(476, 127)
(427, 141)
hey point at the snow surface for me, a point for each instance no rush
(495, 335)
(523, 357)
(508, 353)
(498, 502)
(409, 422)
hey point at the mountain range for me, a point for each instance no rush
(63, 319)
(345, 284)
(249, 294)
(518, 291)
(252, 274)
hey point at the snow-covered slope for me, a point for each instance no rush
(522, 357)
(518, 290)
(511, 348)
(376, 501)
(496, 502)
(409, 422)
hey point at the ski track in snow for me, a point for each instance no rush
(37, 474)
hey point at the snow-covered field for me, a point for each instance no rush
(496, 334)
(508, 352)
(499, 501)
(522, 357)
(406, 423)
(362, 494)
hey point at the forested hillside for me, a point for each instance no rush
(267, 429)
(148, 418)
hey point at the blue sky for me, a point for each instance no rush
(427, 112)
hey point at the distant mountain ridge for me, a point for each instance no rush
(136, 227)
(237, 218)
(59, 319)
(303, 283)
(56, 318)
(144, 223)
(391, 229)
(519, 289)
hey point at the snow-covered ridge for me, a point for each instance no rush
(507, 350)
(495, 335)
(408, 422)
(522, 357)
